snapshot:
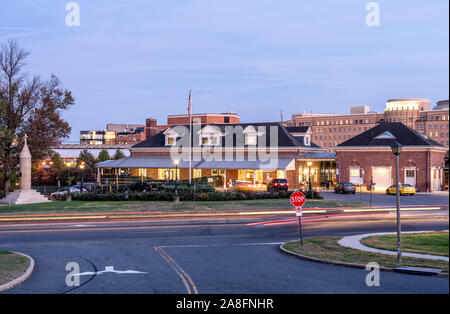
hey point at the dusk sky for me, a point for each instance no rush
(135, 59)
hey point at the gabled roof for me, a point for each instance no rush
(298, 129)
(385, 134)
(285, 139)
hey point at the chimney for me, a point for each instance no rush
(150, 128)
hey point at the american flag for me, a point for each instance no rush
(190, 103)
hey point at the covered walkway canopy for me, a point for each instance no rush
(281, 163)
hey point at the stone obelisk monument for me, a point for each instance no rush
(25, 195)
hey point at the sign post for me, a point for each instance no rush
(298, 199)
(299, 215)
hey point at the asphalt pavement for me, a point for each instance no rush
(381, 199)
(214, 256)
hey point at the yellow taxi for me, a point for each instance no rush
(405, 189)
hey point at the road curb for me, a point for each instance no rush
(355, 243)
(323, 261)
(22, 278)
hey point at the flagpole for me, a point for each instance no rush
(190, 139)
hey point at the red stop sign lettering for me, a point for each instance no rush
(298, 199)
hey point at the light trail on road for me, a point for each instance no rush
(199, 214)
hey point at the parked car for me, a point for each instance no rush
(277, 185)
(405, 189)
(344, 188)
(63, 191)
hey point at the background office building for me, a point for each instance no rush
(329, 130)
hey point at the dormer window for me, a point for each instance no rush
(210, 140)
(251, 135)
(170, 140)
(210, 135)
(251, 139)
(171, 137)
(307, 141)
(302, 134)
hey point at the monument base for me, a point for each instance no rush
(24, 197)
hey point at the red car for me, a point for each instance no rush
(277, 185)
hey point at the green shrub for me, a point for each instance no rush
(184, 195)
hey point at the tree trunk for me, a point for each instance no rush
(7, 186)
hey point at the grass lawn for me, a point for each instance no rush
(435, 243)
(143, 206)
(327, 248)
(12, 265)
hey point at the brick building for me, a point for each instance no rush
(248, 153)
(369, 156)
(152, 127)
(329, 130)
(114, 134)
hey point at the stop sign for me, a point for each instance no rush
(298, 199)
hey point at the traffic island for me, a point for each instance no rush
(15, 268)
(432, 243)
(327, 250)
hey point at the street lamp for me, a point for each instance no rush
(176, 162)
(309, 179)
(82, 166)
(68, 194)
(396, 150)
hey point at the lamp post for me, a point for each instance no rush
(360, 186)
(82, 166)
(68, 194)
(309, 177)
(396, 150)
(176, 162)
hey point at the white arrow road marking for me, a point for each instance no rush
(110, 269)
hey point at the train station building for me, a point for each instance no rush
(226, 154)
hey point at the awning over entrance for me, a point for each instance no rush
(144, 162)
(274, 164)
(282, 163)
(321, 156)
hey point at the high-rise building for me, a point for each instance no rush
(329, 130)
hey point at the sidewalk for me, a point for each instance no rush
(440, 193)
(354, 243)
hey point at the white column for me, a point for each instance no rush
(225, 178)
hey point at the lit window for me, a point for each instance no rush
(170, 140)
(250, 139)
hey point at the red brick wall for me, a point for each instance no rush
(205, 119)
(130, 139)
(150, 127)
(367, 160)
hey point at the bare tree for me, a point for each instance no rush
(27, 106)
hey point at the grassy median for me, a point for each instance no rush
(434, 243)
(144, 206)
(12, 266)
(327, 248)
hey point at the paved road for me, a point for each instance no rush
(218, 256)
(380, 199)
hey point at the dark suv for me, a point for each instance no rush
(277, 185)
(344, 188)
